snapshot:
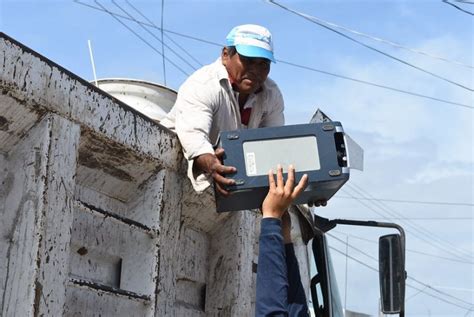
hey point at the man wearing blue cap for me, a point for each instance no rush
(232, 93)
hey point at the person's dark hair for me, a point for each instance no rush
(231, 50)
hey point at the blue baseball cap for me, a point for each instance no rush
(251, 40)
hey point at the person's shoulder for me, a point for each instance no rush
(272, 90)
(203, 85)
(271, 84)
(206, 75)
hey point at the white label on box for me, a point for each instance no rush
(251, 164)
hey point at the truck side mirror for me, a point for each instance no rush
(392, 274)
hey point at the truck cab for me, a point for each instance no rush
(324, 299)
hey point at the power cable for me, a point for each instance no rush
(414, 287)
(421, 229)
(141, 38)
(449, 247)
(151, 25)
(412, 201)
(155, 37)
(391, 43)
(147, 24)
(416, 233)
(352, 247)
(163, 29)
(409, 277)
(417, 293)
(309, 18)
(162, 39)
(417, 229)
(373, 84)
(408, 250)
(458, 7)
(428, 241)
(437, 290)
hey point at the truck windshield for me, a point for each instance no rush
(326, 301)
(336, 304)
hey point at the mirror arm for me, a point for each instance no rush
(332, 223)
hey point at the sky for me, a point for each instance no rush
(417, 132)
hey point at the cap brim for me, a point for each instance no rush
(254, 51)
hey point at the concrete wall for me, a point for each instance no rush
(97, 214)
(98, 217)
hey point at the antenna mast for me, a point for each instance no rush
(92, 62)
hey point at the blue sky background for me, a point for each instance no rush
(416, 149)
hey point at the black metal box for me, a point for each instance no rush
(317, 149)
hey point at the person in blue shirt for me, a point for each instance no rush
(279, 288)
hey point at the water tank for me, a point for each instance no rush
(153, 100)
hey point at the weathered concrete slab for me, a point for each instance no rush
(192, 271)
(43, 86)
(84, 301)
(112, 253)
(170, 225)
(52, 258)
(21, 225)
(15, 121)
(230, 277)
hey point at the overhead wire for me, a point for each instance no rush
(444, 203)
(408, 276)
(458, 7)
(151, 25)
(414, 295)
(408, 250)
(427, 286)
(352, 247)
(391, 43)
(437, 290)
(309, 18)
(374, 84)
(141, 38)
(418, 231)
(147, 24)
(154, 36)
(409, 285)
(421, 229)
(162, 38)
(163, 30)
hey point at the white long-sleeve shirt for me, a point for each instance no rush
(207, 105)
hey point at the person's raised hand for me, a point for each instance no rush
(280, 194)
(211, 164)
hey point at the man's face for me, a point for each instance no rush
(247, 73)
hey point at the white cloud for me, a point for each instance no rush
(435, 171)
